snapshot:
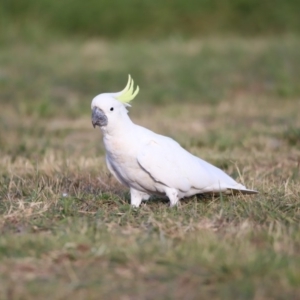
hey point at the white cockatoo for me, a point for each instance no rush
(149, 163)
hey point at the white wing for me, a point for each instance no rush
(167, 162)
(162, 166)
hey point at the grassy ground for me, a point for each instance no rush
(67, 230)
(135, 18)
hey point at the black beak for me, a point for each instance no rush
(98, 117)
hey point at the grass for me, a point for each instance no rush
(67, 230)
(136, 19)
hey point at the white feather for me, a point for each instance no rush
(149, 163)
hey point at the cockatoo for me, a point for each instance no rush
(149, 163)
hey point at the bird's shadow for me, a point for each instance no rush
(203, 198)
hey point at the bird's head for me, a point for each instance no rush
(110, 107)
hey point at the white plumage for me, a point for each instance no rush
(149, 163)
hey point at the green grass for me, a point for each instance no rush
(66, 227)
(152, 18)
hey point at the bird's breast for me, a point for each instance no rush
(122, 157)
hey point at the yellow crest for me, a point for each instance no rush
(128, 93)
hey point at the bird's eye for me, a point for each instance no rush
(111, 109)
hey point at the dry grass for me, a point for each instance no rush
(67, 230)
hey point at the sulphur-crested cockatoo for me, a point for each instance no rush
(149, 163)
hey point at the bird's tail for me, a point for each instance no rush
(240, 191)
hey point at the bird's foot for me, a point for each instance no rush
(137, 197)
(173, 196)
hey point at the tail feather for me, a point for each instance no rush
(230, 191)
(241, 191)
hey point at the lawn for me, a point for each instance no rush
(67, 230)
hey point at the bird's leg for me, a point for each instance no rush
(137, 197)
(172, 194)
